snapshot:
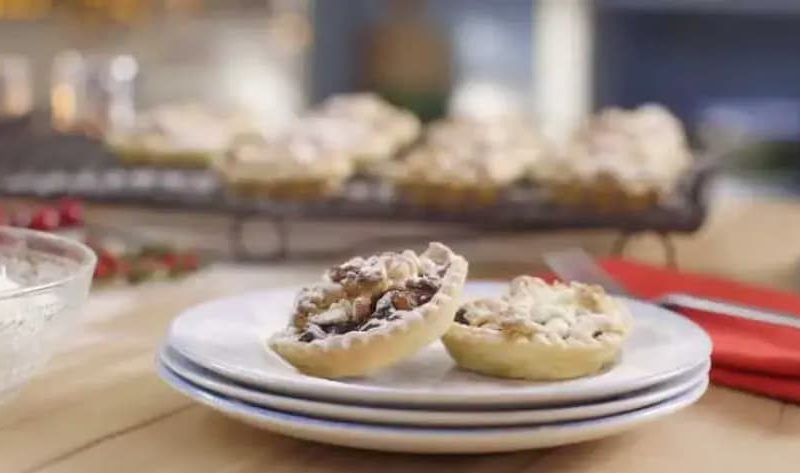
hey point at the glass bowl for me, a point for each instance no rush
(44, 283)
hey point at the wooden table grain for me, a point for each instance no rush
(99, 407)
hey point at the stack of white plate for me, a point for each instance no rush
(215, 354)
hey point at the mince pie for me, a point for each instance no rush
(181, 135)
(468, 162)
(539, 331)
(376, 131)
(307, 162)
(369, 313)
(621, 160)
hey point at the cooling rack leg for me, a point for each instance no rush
(282, 233)
(618, 248)
(239, 250)
(236, 238)
(670, 253)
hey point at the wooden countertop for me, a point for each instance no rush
(99, 407)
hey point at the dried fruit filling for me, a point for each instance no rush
(365, 294)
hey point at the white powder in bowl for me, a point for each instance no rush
(6, 284)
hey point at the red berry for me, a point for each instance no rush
(103, 270)
(71, 212)
(45, 219)
(189, 262)
(112, 262)
(171, 261)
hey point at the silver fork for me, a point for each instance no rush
(577, 265)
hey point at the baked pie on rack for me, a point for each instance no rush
(369, 313)
(539, 331)
(318, 153)
(621, 160)
(468, 162)
(181, 135)
(305, 163)
(378, 130)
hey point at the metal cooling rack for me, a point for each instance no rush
(50, 165)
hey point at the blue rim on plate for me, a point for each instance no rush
(429, 439)
(416, 416)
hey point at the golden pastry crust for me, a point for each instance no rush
(499, 356)
(449, 196)
(300, 190)
(141, 156)
(371, 313)
(603, 194)
(539, 332)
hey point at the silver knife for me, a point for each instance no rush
(577, 265)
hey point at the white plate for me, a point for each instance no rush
(431, 440)
(227, 336)
(420, 417)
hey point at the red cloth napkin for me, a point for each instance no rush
(749, 355)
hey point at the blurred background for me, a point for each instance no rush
(75, 72)
(724, 67)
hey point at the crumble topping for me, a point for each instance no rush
(474, 152)
(307, 149)
(533, 309)
(398, 127)
(366, 293)
(642, 149)
(187, 127)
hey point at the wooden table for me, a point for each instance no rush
(99, 407)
